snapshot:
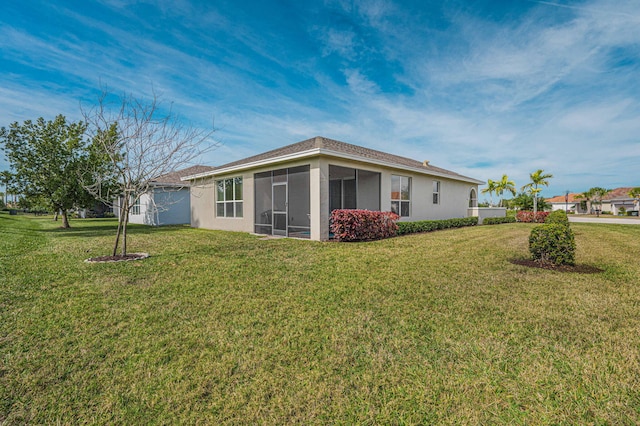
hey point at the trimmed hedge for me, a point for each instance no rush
(559, 217)
(527, 216)
(434, 225)
(498, 220)
(552, 243)
(363, 225)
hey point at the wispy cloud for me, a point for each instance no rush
(484, 92)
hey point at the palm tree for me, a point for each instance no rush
(491, 187)
(635, 194)
(503, 185)
(538, 178)
(594, 196)
(597, 194)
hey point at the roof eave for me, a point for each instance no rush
(330, 153)
(172, 185)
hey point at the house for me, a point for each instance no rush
(168, 200)
(615, 202)
(290, 191)
(618, 201)
(570, 203)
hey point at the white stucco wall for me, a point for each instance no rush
(484, 212)
(146, 208)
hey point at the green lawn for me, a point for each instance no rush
(226, 328)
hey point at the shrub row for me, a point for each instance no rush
(554, 241)
(363, 225)
(434, 225)
(527, 216)
(498, 220)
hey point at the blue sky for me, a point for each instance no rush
(479, 87)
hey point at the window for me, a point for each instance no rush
(229, 197)
(436, 192)
(135, 206)
(401, 195)
(473, 198)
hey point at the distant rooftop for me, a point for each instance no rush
(614, 194)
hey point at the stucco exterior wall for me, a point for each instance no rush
(203, 198)
(163, 206)
(454, 195)
(172, 205)
(485, 212)
(146, 205)
(454, 198)
(203, 205)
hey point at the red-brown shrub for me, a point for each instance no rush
(527, 216)
(363, 225)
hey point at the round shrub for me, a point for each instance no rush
(552, 243)
(559, 217)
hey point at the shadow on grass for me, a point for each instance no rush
(91, 229)
(580, 269)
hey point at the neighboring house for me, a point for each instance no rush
(570, 203)
(291, 191)
(611, 203)
(168, 200)
(618, 199)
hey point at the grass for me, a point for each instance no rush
(226, 328)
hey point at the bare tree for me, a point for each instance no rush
(140, 140)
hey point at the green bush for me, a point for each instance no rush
(559, 217)
(434, 225)
(498, 220)
(552, 243)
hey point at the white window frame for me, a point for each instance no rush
(401, 200)
(237, 204)
(135, 206)
(473, 198)
(437, 190)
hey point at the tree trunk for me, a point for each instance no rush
(55, 215)
(123, 208)
(65, 219)
(124, 233)
(115, 244)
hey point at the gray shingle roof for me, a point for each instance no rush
(174, 177)
(345, 149)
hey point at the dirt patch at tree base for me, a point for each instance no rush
(580, 269)
(118, 258)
